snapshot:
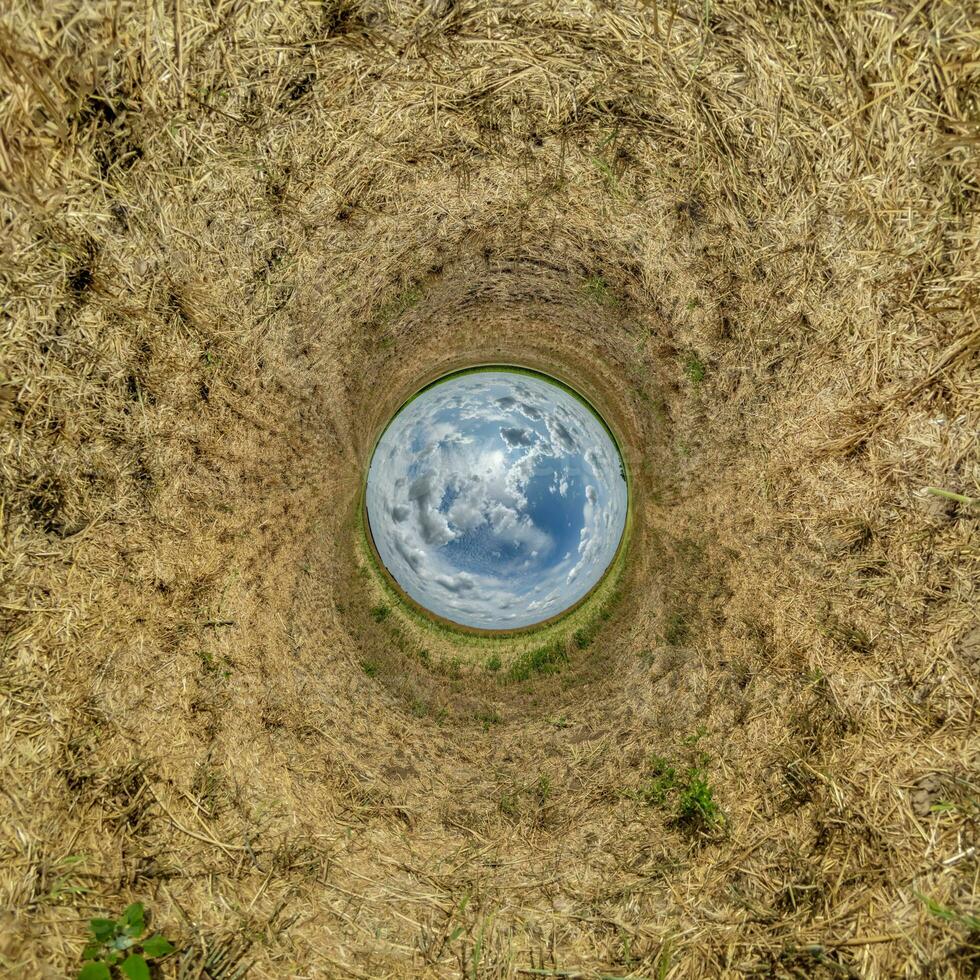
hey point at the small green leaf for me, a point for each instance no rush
(940, 911)
(94, 971)
(102, 929)
(91, 951)
(157, 946)
(134, 967)
(133, 918)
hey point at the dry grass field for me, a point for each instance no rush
(237, 234)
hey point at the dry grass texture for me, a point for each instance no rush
(235, 232)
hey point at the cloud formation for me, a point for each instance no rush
(496, 499)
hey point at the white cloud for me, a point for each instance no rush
(454, 483)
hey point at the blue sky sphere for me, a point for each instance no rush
(496, 499)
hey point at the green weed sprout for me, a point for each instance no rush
(117, 949)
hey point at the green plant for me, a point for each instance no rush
(493, 663)
(626, 941)
(400, 304)
(958, 498)
(488, 717)
(542, 790)
(370, 668)
(688, 793)
(664, 960)
(597, 289)
(967, 920)
(64, 881)
(662, 781)
(694, 369)
(212, 667)
(696, 805)
(380, 613)
(541, 660)
(696, 736)
(612, 182)
(116, 949)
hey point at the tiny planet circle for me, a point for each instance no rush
(496, 498)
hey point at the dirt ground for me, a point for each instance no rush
(237, 234)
